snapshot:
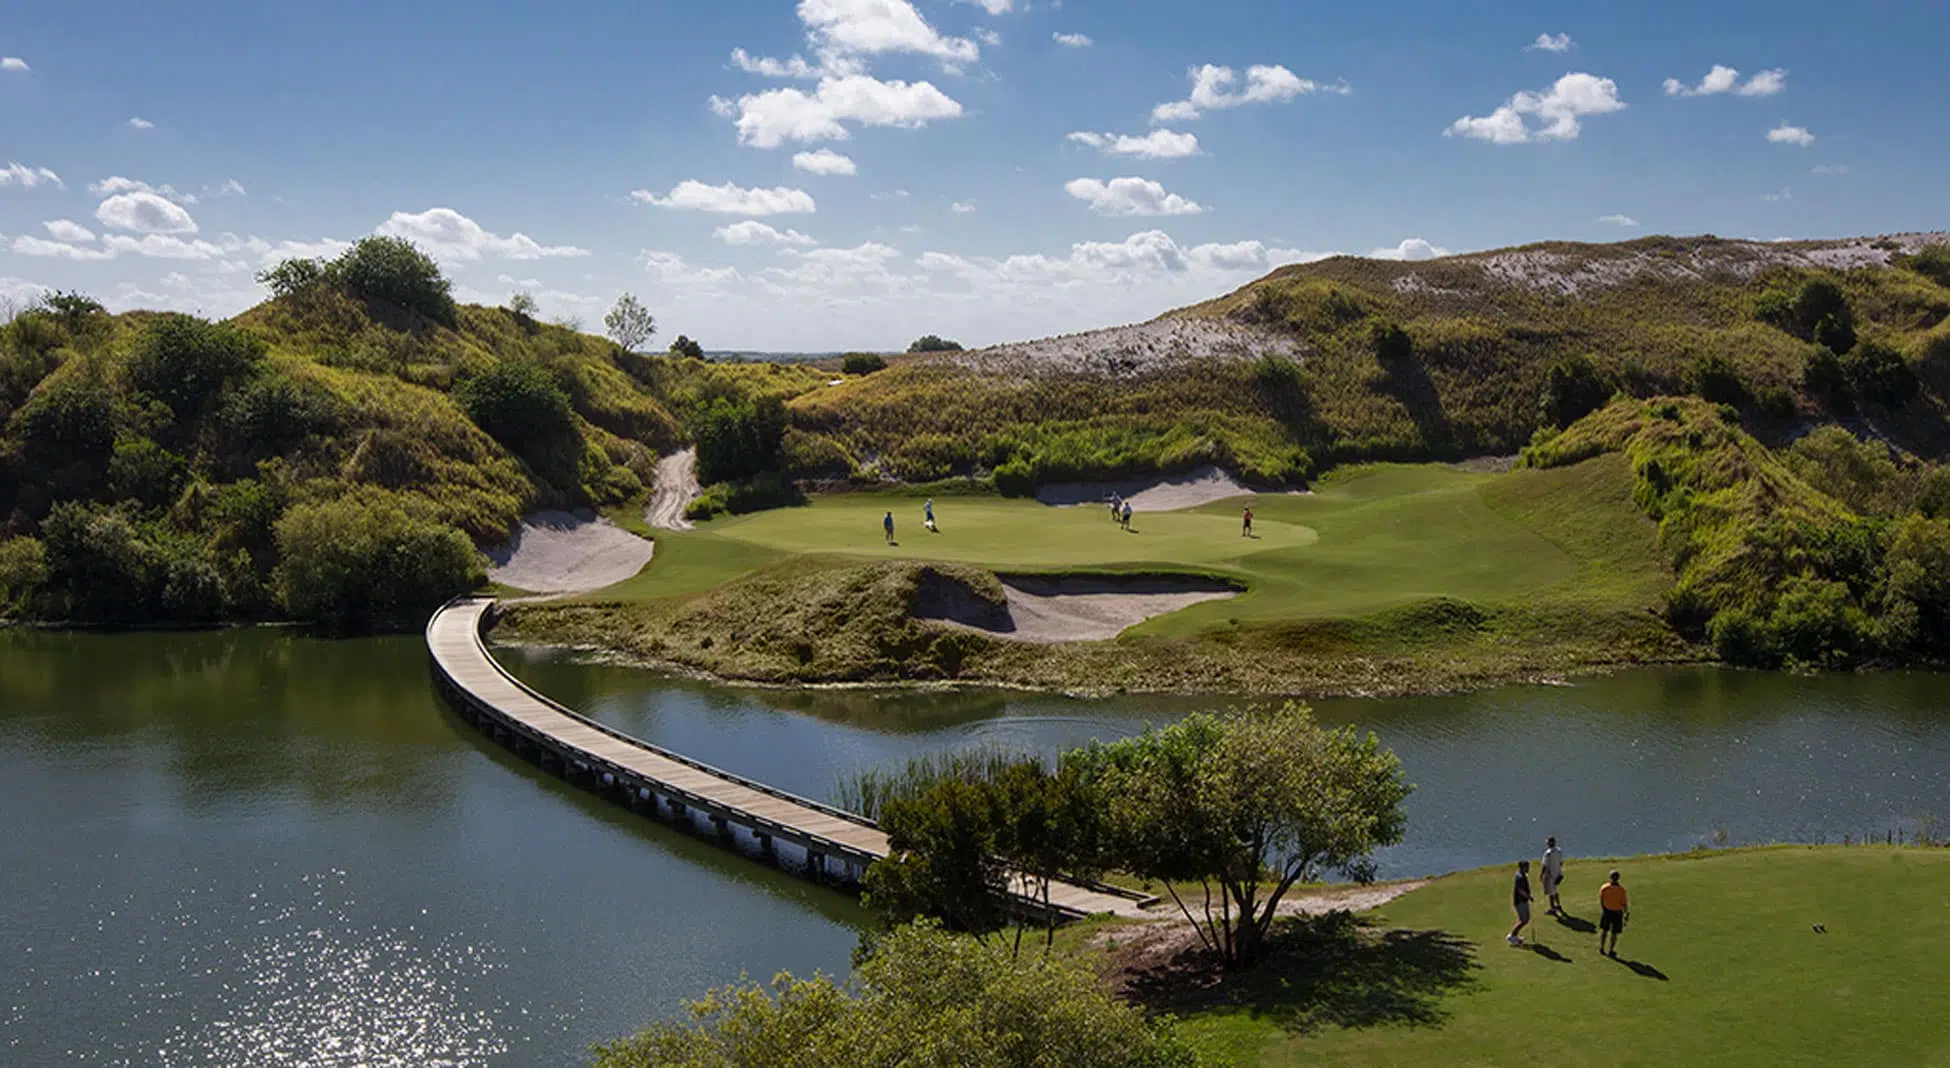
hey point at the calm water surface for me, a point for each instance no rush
(247, 847)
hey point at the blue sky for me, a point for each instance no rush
(827, 174)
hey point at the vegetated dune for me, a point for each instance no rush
(676, 487)
(1067, 608)
(1157, 493)
(559, 553)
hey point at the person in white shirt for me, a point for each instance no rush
(1552, 874)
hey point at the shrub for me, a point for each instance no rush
(1932, 262)
(686, 348)
(352, 563)
(928, 458)
(932, 343)
(189, 363)
(394, 271)
(99, 567)
(1741, 638)
(293, 276)
(145, 472)
(1714, 378)
(737, 439)
(519, 404)
(1573, 389)
(1880, 374)
(862, 363)
(275, 414)
(23, 570)
(1824, 377)
(804, 455)
(1776, 402)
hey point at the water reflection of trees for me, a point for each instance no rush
(254, 713)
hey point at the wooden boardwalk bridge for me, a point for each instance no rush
(837, 844)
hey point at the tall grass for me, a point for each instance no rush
(867, 792)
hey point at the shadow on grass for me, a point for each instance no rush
(1639, 967)
(1319, 972)
(1548, 953)
(1581, 926)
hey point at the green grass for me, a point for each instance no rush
(1719, 965)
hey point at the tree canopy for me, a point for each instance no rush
(629, 323)
(933, 343)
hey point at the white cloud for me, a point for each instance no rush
(322, 249)
(34, 246)
(114, 184)
(1784, 194)
(68, 230)
(770, 118)
(670, 268)
(1621, 221)
(824, 161)
(1784, 134)
(230, 188)
(1557, 109)
(850, 28)
(29, 177)
(796, 67)
(896, 194)
(962, 207)
(730, 199)
(1158, 144)
(448, 234)
(1151, 254)
(1130, 196)
(1829, 168)
(1072, 40)
(989, 38)
(1725, 79)
(1212, 91)
(1413, 248)
(831, 270)
(145, 213)
(140, 123)
(1551, 42)
(163, 246)
(993, 7)
(753, 232)
(14, 63)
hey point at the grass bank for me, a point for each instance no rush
(1720, 964)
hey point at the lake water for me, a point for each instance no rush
(249, 847)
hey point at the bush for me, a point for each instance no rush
(1930, 261)
(931, 343)
(1824, 377)
(189, 364)
(928, 458)
(737, 439)
(1880, 374)
(1573, 389)
(862, 363)
(293, 276)
(1714, 378)
(145, 472)
(519, 404)
(1742, 639)
(99, 567)
(23, 571)
(394, 271)
(275, 414)
(353, 563)
(1777, 402)
(686, 348)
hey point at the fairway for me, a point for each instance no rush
(1719, 965)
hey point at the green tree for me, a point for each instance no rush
(1822, 315)
(1715, 378)
(932, 343)
(1881, 374)
(23, 571)
(292, 276)
(1916, 589)
(522, 306)
(942, 859)
(145, 472)
(686, 348)
(1573, 389)
(1245, 805)
(519, 404)
(352, 563)
(189, 364)
(738, 438)
(862, 363)
(629, 323)
(394, 271)
(924, 997)
(99, 567)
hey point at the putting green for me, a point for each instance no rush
(1720, 965)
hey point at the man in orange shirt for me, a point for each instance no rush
(1613, 902)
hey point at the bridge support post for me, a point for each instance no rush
(678, 814)
(723, 827)
(765, 848)
(816, 864)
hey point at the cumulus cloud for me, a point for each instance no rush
(1785, 134)
(114, 184)
(730, 199)
(230, 188)
(18, 174)
(830, 270)
(1130, 196)
(1212, 90)
(670, 268)
(448, 234)
(753, 232)
(163, 246)
(145, 213)
(1622, 221)
(796, 67)
(850, 28)
(824, 161)
(1551, 42)
(68, 230)
(1413, 248)
(1725, 79)
(773, 117)
(993, 7)
(1072, 40)
(140, 123)
(14, 63)
(1557, 110)
(1158, 144)
(27, 245)
(962, 207)
(1148, 254)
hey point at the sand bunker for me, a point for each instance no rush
(1071, 608)
(676, 487)
(560, 553)
(1152, 493)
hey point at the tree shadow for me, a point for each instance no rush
(1319, 972)
(1641, 968)
(1575, 923)
(1409, 382)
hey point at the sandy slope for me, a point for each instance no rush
(1075, 608)
(1152, 493)
(676, 488)
(559, 553)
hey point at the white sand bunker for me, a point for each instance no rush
(1152, 493)
(1073, 608)
(560, 553)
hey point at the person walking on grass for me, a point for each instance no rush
(1246, 529)
(927, 511)
(887, 524)
(1127, 515)
(1520, 899)
(1613, 904)
(1115, 502)
(1551, 874)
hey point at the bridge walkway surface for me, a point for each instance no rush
(641, 774)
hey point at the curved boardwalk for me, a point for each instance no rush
(640, 774)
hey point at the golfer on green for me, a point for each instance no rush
(888, 525)
(1613, 905)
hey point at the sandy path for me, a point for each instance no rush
(1170, 493)
(560, 553)
(676, 488)
(1076, 608)
(1169, 934)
